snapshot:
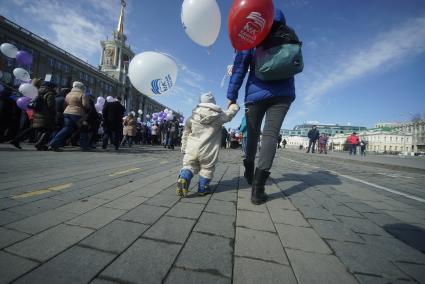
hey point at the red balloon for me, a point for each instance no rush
(249, 22)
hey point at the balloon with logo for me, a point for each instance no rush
(9, 50)
(152, 73)
(201, 20)
(249, 22)
(28, 90)
(23, 102)
(109, 99)
(24, 57)
(21, 74)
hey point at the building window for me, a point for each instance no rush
(58, 65)
(51, 61)
(395, 148)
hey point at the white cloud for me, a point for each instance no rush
(386, 50)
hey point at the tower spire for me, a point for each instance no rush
(120, 28)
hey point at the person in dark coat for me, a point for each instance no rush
(60, 107)
(10, 115)
(44, 114)
(113, 113)
(271, 99)
(313, 135)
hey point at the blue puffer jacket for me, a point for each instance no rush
(256, 89)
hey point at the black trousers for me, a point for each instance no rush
(274, 110)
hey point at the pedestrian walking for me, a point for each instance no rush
(313, 135)
(284, 142)
(112, 113)
(363, 144)
(323, 141)
(279, 140)
(154, 133)
(353, 141)
(269, 99)
(77, 106)
(130, 129)
(201, 143)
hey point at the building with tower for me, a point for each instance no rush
(108, 79)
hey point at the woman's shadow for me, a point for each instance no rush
(306, 181)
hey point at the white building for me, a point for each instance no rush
(379, 140)
(295, 141)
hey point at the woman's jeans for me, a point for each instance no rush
(275, 110)
(69, 125)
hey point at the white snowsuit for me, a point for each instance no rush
(202, 137)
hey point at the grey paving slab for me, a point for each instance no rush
(8, 237)
(281, 203)
(245, 204)
(207, 253)
(215, 224)
(382, 219)
(221, 207)
(82, 206)
(170, 229)
(360, 258)
(126, 202)
(47, 244)
(97, 218)
(369, 279)
(102, 281)
(163, 200)
(186, 210)
(41, 222)
(76, 265)
(362, 207)
(317, 213)
(225, 196)
(334, 231)
(115, 237)
(195, 198)
(113, 193)
(408, 234)
(318, 268)
(179, 275)
(145, 214)
(145, 261)
(36, 207)
(256, 271)
(302, 238)
(254, 220)
(363, 226)
(12, 266)
(414, 270)
(8, 202)
(260, 245)
(288, 217)
(7, 217)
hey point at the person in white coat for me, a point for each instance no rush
(201, 143)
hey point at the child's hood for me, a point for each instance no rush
(206, 113)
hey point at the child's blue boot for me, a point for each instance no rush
(204, 186)
(183, 182)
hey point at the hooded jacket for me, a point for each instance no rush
(202, 132)
(256, 89)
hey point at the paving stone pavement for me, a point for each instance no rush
(114, 217)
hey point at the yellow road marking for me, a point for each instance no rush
(43, 191)
(124, 172)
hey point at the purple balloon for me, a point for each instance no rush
(23, 57)
(23, 102)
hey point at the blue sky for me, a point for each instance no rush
(364, 60)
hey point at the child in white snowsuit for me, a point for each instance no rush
(201, 143)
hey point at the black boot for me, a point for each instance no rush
(258, 195)
(249, 171)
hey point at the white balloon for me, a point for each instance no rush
(28, 90)
(109, 99)
(21, 74)
(201, 20)
(152, 73)
(170, 116)
(9, 50)
(140, 112)
(139, 119)
(133, 113)
(101, 100)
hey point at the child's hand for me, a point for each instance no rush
(230, 103)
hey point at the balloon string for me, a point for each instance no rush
(209, 49)
(222, 81)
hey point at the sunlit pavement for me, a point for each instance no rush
(114, 217)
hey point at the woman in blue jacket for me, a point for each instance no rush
(271, 99)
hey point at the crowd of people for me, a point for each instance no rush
(58, 117)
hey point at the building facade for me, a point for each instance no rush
(109, 79)
(329, 129)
